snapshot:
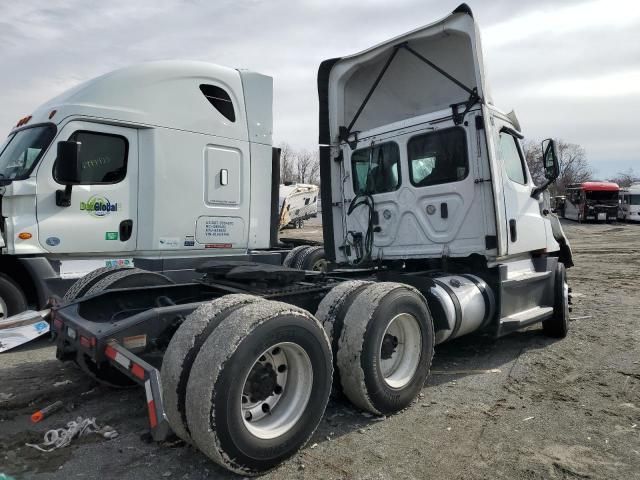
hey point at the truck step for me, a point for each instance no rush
(526, 278)
(526, 317)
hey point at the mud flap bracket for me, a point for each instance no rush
(144, 374)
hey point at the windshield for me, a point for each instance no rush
(634, 199)
(22, 151)
(602, 196)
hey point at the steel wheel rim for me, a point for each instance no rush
(400, 350)
(3, 308)
(320, 265)
(285, 366)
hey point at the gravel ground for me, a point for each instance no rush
(521, 407)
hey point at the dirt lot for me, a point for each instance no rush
(565, 409)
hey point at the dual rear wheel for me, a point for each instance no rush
(247, 381)
(383, 339)
(307, 257)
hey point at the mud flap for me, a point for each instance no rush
(566, 256)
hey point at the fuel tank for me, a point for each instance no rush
(460, 304)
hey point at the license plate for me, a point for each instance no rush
(71, 333)
(602, 216)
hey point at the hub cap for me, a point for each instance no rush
(400, 350)
(320, 265)
(276, 390)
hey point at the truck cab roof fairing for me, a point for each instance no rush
(409, 87)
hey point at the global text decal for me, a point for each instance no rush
(98, 206)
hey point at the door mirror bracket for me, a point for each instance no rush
(550, 165)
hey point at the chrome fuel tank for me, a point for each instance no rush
(461, 303)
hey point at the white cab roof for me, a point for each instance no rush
(167, 94)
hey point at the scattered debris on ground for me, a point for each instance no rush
(523, 406)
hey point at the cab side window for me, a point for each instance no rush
(376, 169)
(513, 161)
(102, 157)
(438, 157)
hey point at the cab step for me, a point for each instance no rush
(524, 318)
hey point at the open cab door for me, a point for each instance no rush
(400, 147)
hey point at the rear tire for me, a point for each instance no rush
(386, 347)
(80, 287)
(290, 259)
(182, 351)
(12, 298)
(331, 312)
(558, 325)
(105, 373)
(240, 369)
(313, 258)
(128, 278)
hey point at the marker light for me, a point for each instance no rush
(52, 113)
(23, 121)
(24, 235)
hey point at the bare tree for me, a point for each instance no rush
(626, 178)
(533, 157)
(308, 167)
(574, 166)
(287, 164)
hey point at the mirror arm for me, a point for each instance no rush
(63, 197)
(535, 193)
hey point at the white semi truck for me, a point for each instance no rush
(175, 161)
(432, 225)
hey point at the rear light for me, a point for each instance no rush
(87, 342)
(153, 420)
(137, 371)
(57, 324)
(110, 352)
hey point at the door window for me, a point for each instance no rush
(438, 157)
(102, 157)
(513, 162)
(376, 169)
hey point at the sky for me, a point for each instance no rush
(570, 69)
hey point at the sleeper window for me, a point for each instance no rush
(376, 169)
(220, 100)
(438, 157)
(102, 157)
(511, 158)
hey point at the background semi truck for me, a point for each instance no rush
(432, 226)
(173, 158)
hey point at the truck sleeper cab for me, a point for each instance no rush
(169, 171)
(434, 229)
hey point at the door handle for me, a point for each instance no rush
(513, 230)
(444, 210)
(126, 229)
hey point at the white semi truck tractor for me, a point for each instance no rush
(174, 167)
(433, 229)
